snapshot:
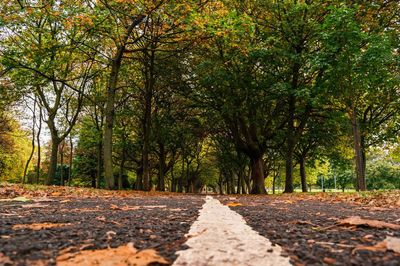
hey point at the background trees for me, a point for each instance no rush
(230, 96)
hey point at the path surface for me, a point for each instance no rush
(220, 236)
(81, 220)
(307, 229)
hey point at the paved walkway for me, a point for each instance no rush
(220, 236)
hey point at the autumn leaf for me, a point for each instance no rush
(123, 255)
(39, 226)
(5, 260)
(19, 199)
(124, 208)
(328, 260)
(234, 204)
(358, 221)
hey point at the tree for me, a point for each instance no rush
(359, 66)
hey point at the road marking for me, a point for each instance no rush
(221, 236)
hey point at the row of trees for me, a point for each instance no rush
(181, 94)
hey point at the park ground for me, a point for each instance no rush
(61, 225)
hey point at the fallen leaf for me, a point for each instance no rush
(368, 237)
(35, 205)
(121, 256)
(65, 201)
(56, 194)
(114, 207)
(234, 204)
(329, 260)
(392, 243)
(39, 226)
(358, 221)
(155, 206)
(110, 235)
(19, 199)
(5, 260)
(124, 208)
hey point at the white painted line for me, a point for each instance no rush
(221, 236)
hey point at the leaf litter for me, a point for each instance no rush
(358, 221)
(122, 256)
(39, 226)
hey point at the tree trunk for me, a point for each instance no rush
(161, 171)
(247, 180)
(361, 185)
(239, 183)
(62, 181)
(147, 119)
(32, 142)
(93, 178)
(182, 176)
(38, 147)
(121, 171)
(139, 178)
(109, 111)
(108, 133)
(290, 148)
(53, 161)
(244, 189)
(257, 176)
(173, 180)
(71, 156)
(303, 175)
(99, 162)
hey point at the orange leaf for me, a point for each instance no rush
(123, 255)
(234, 204)
(39, 226)
(358, 221)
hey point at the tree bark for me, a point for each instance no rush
(62, 181)
(257, 176)
(32, 142)
(149, 87)
(99, 162)
(71, 156)
(239, 183)
(361, 185)
(290, 147)
(53, 160)
(109, 111)
(139, 178)
(161, 171)
(121, 171)
(38, 147)
(173, 180)
(182, 176)
(303, 175)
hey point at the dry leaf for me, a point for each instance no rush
(367, 237)
(56, 194)
(390, 243)
(121, 256)
(114, 207)
(5, 260)
(35, 205)
(329, 260)
(19, 199)
(234, 204)
(358, 221)
(155, 206)
(124, 208)
(39, 226)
